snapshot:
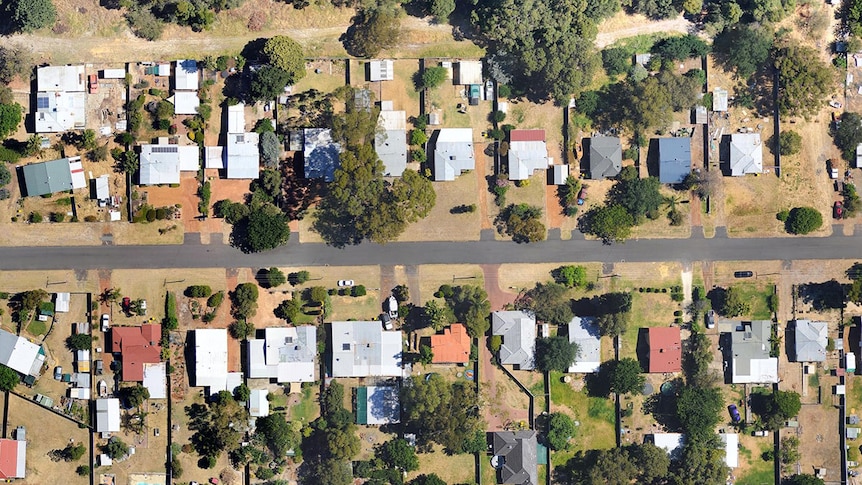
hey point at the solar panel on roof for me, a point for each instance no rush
(42, 103)
(164, 150)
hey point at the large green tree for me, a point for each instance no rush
(609, 223)
(698, 411)
(803, 220)
(555, 354)
(848, 134)
(471, 306)
(263, 229)
(10, 118)
(805, 81)
(373, 30)
(30, 15)
(8, 378)
(744, 48)
(15, 61)
(278, 433)
(286, 54)
(244, 300)
(443, 412)
(561, 428)
(639, 196)
(397, 453)
(268, 82)
(625, 376)
(549, 303)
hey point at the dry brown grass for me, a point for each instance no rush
(431, 276)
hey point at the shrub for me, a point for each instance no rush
(83, 470)
(215, 300)
(35, 217)
(803, 220)
(496, 343)
(358, 290)
(198, 291)
(783, 215)
(58, 216)
(90, 219)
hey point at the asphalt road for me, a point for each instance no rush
(477, 252)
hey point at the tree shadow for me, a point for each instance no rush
(336, 228)
(599, 383)
(828, 295)
(717, 296)
(662, 407)
(642, 348)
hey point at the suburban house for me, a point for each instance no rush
(378, 405)
(162, 163)
(674, 159)
(13, 455)
(210, 369)
(515, 457)
(61, 302)
(606, 157)
(559, 174)
(671, 443)
(467, 73)
(810, 341)
(390, 141)
(186, 84)
(156, 379)
(107, 415)
(364, 349)
(527, 153)
(101, 190)
(243, 152)
(21, 355)
(320, 154)
(137, 347)
(452, 346)
(452, 153)
(664, 350)
(380, 70)
(746, 154)
(518, 330)
(61, 99)
(750, 347)
(584, 331)
(258, 404)
(45, 178)
(285, 354)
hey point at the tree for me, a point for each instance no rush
(848, 134)
(680, 48)
(288, 310)
(432, 77)
(278, 433)
(625, 376)
(442, 412)
(611, 466)
(397, 453)
(135, 395)
(317, 294)
(270, 149)
(268, 82)
(426, 355)
(244, 300)
(372, 31)
(430, 479)
(804, 80)
(614, 313)
(609, 223)
(789, 142)
(616, 60)
(524, 223)
(652, 461)
(286, 54)
(804, 479)
(697, 409)
(5, 176)
(803, 220)
(401, 293)
(330, 471)
(441, 9)
(8, 378)
(561, 428)
(275, 277)
(555, 354)
(701, 462)
(471, 306)
(242, 393)
(265, 228)
(30, 15)
(778, 408)
(241, 329)
(15, 61)
(733, 304)
(549, 303)
(199, 291)
(80, 341)
(10, 118)
(83, 470)
(298, 278)
(638, 196)
(437, 315)
(571, 276)
(744, 48)
(116, 449)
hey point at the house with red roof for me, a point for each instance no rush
(13, 456)
(665, 350)
(137, 346)
(452, 346)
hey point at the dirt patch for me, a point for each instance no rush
(623, 25)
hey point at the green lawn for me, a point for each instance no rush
(37, 328)
(756, 296)
(595, 415)
(641, 43)
(307, 409)
(759, 472)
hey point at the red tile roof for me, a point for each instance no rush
(665, 351)
(8, 458)
(527, 135)
(452, 346)
(137, 346)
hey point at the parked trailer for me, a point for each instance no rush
(113, 73)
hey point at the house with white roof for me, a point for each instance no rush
(390, 141)
(186, 77)
(518, 329)
(584, 331)
(746, 154)
(731, 449)
(211, 361)
(156, 379)
(365, 349)
(107, 415)
(452, 153)
(285, 354)
(810, 341)
(467, 72)
(185, 102)
(243, 152)
(527, 153)
(258, 404)
(162, 163)
(61, 302)
(21, 355)
(750, 362)
(380, 70)
(61, 99)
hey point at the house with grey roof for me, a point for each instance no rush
(365, 349)
(242, 151)
(746, 154)
(518, 330)
(162, 163)
(527, 153)
(750, 362)
(321, 155)
(515, 457)
(584, 331)
(452, 153)
(811, 339)
(606, 157)
(285, 354)
(390, 141)
(674, 159)
(45, 178)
